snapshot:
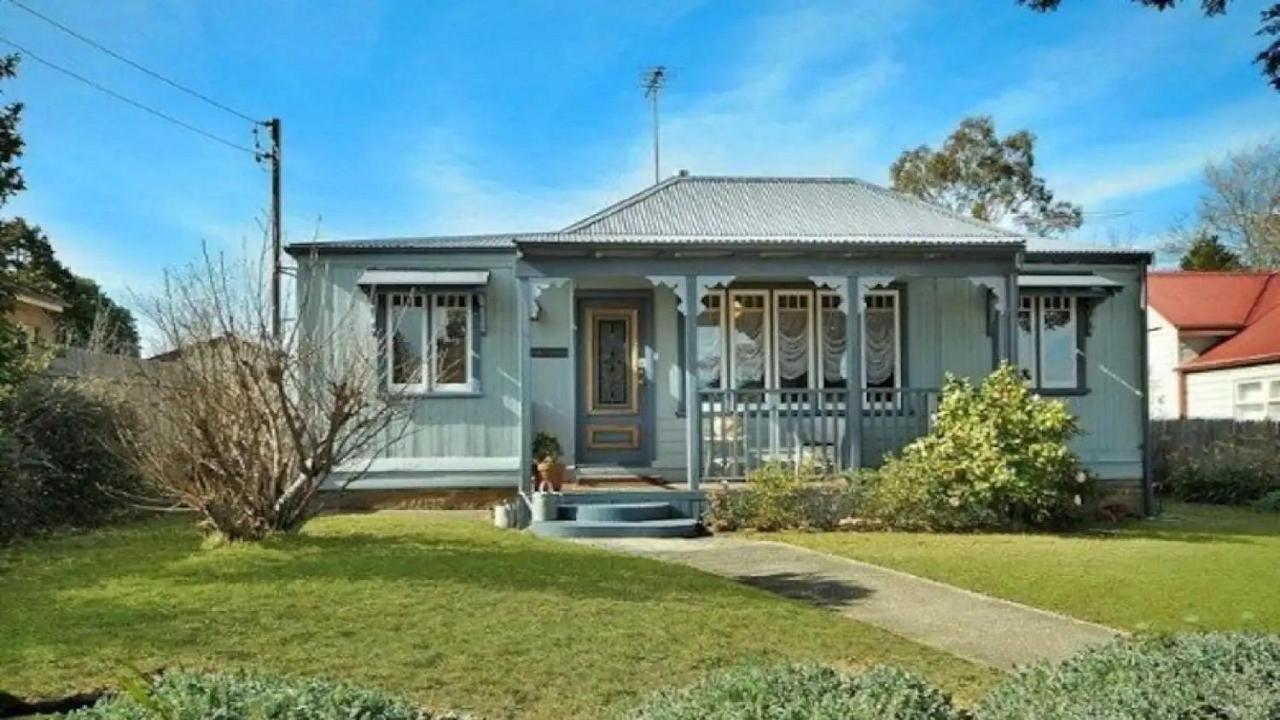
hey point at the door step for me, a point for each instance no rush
(617, 520)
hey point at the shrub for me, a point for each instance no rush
(1212, 675)
(1269, 503)
(778, 497)
(200, 696)
(1222, 481)
(997, 456)
(801, 691)
(57, 469)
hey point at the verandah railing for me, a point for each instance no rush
(743, 429)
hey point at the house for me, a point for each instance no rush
(36, 313)
(1214, 345)
(705, 325)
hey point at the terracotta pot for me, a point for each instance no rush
(550, 473)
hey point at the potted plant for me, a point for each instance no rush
(546, 456)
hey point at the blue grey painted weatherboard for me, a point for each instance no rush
(946, 331)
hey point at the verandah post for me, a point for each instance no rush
(853, 303)
(693, 407)
(524, 375)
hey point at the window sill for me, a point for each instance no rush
(433, 394)
(1060, 392)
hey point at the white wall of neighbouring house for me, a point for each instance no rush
(1212, 393)
(1162, 359)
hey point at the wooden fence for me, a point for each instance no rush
(1172, 440)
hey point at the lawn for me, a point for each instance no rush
(438, 606)
(1194, 567)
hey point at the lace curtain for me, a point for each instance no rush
(748, 349)
(880, 345)
(835, 339)
(793, 347)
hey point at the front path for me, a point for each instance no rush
(976, 627)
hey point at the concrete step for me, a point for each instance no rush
(616, 512)
(668, 528)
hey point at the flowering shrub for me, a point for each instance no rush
(997, 456)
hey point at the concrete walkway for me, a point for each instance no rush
(976, 627)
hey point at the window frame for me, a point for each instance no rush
(811, 343)
(1269, 395)
(433, 313)
(766, 333)
(722, 310)
(440, 314)
(820, 340)
(817, 372)
(1035, 380)
(897, 339)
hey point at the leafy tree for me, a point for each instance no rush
(94, 320)
(1207, 252)
(1242, 203)
(1268, 58)
(979, 174)
(10, 141)
(90, 317)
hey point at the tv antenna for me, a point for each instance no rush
(653, 80)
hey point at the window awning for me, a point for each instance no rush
(1079, 283)
(436, 278)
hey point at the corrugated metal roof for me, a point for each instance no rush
(755, 209)
(1066, 281)
(424, 277)
(1062, 246)
(438, 242)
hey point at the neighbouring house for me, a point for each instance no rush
(36, 313)
(1214, 344)
(705, 325)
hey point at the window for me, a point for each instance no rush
(757, 339)
(1257, 400)
(748, 335)
(792, 339)
(833, 340)
(881, 361)
(428, 342)
(1049, 341)
(711, 358)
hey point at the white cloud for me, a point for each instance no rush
(1153, 158)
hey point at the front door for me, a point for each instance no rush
(613, 408)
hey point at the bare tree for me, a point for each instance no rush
(244, 427)
(1242, 203)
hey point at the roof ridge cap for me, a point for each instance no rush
(628, 201)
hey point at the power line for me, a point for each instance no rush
(145, 108)
(134, 65)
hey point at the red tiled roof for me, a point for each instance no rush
(1211, 300)
(1246, 302)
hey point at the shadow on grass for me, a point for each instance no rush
(1211, 524)
(820, 590)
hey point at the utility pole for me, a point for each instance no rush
(276, 268)
(653, 80)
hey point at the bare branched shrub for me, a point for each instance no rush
(244, 427)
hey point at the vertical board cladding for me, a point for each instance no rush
(474, 425)
(1111, 411)
(1162, 359)
(946, 331)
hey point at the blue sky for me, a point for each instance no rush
(410, 118)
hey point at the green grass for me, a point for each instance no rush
(1194, 567)
(438, 606)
